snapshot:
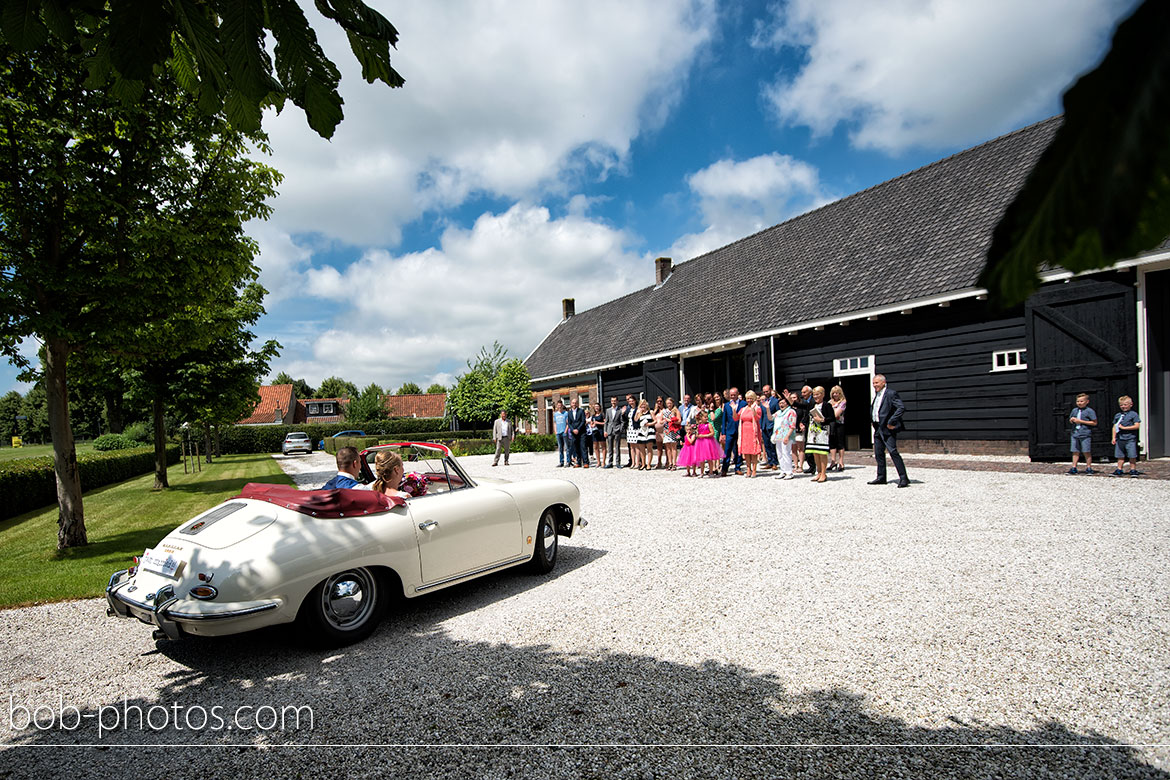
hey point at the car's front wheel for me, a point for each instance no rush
(544, 557)
(344, 608)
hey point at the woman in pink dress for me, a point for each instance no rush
(751, 436)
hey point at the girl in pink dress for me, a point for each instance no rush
(686, 456)
(707, 449)
(751, 441)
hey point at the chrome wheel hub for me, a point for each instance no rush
(347, 599)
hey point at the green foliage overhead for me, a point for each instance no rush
(216, 49)
(409, 388)
(1101, 191)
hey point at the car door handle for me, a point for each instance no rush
(428, 525)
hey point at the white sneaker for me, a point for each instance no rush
(790, 475)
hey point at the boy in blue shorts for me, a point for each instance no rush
(1125, 429)
(1083, 420)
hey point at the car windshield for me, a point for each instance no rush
(443, 474)
(297, 436)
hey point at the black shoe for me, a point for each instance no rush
(876, 482)
(903, 483)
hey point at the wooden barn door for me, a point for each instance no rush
(1081, 338)
(661, 379)
(758, 366)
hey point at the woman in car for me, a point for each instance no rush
(388, 469)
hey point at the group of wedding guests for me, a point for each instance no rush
(710, 434)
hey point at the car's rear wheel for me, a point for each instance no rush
(544, 557)
(346, 607)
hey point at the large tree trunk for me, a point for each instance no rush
(71, 516)
(160, 444)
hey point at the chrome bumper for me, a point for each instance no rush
(160, 612)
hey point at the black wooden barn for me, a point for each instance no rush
(885, 281)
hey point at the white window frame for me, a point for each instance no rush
(314, 409)
(1019, 355)
(855, 365)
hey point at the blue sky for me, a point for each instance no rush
(543, 150)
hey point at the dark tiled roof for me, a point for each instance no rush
(924, 233)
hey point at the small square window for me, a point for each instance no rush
(854, 362)
(1009, 360)
(314, 409)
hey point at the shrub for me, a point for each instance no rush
(472, 447)
(534, 442)
(29, 483)
(113, 441)
(140, 432)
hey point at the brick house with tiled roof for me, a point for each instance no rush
(417, 405)
(278, 406)
(886, 281)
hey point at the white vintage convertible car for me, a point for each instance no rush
(334, 559)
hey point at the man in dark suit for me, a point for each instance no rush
(886, 416)
(615, 431)
(575, 427)
(729, 436)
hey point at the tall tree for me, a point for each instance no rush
(493, 382)
(99, 198)
(300, 386)
(409, 388)
(219, 48)
(1101, 191)
(336, 387)
(435, 389)
(369, 405)
(9, 409)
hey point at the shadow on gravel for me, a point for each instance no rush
(413, 683)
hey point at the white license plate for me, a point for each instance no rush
(160, 563)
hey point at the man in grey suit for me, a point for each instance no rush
(615, 431)
(886, 416)
(502, 434)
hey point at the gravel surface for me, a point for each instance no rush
(963, 626)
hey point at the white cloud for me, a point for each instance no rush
(932, 73)
(741, 198)
(505, 98)
(401, 316)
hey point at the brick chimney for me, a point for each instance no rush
(568, 307)
(662, 268)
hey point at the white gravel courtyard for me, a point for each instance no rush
(975, 608)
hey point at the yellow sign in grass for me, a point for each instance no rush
(16, 442)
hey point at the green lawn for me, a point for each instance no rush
(34, 450)
(122, 520)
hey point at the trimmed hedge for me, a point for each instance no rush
(332, 445)
(29, 483)
(267, 438)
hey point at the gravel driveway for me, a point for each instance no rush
(948, 628)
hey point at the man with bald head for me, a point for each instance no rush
(886, 416)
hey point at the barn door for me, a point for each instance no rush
(661, 379)
(758, 365)
(1081, 337)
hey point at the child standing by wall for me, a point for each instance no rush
(1083, 420)
(1125, 429)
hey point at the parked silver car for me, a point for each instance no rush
(296, 442)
